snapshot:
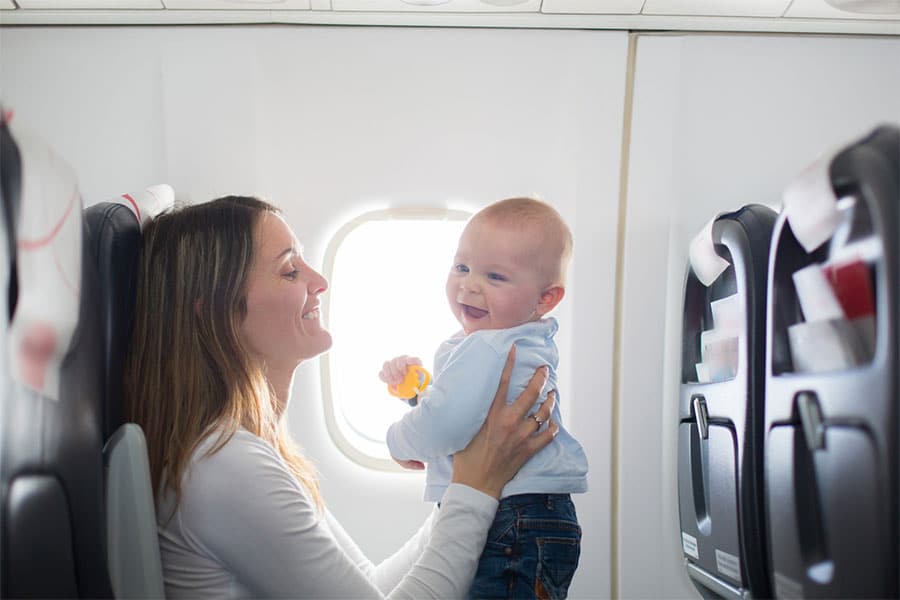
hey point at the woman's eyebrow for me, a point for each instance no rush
(293, 250)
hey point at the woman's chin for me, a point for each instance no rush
(326, 342)
(323, 342)
(315, 345)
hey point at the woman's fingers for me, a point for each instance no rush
(542, 438)
(546, 408)
(503, 388)
(509, 437)
(531, 393)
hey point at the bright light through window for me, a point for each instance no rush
(386, 298)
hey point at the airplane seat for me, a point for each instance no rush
(135, 567)
(51, 500)
(114, 231)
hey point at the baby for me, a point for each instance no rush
(508, 274)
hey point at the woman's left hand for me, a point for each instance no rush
(509, 436)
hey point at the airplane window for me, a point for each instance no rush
(386, 273)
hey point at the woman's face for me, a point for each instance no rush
(282, 326)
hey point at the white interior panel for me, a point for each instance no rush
(725, 8)
(389, 117)
(471, 6)
(89, 4)
(608, 7)
(239, 4)
(7, 4)
(719, 122)
(819, 9)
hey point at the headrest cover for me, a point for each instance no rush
(48, 242)
(810, 205)
(705, 261)
(148, 203)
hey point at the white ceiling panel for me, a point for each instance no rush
(89, 4)
(819, 9)
(7, 4)
(239, 4)
(717, 8)
(462, 6)
(593, 7)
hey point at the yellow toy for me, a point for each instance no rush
(416, 380)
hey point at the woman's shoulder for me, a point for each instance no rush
(221, 460)
(236, 477)
(219, 448)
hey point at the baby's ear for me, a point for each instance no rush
(550, 297)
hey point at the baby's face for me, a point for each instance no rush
(496, 280)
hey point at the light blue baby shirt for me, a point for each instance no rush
(466, 375)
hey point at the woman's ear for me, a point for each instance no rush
(198, 304)
(549, 299)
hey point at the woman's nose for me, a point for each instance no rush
(317, 283)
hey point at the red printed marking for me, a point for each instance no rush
(36, 350)
(8, 115)
(41, 242)
(134, 204)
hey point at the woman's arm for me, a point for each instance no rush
(388, 573)
(267, 534)
(244, 511)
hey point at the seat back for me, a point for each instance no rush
(114, 242)
(832, 445)
(114, 239)
(52, 507)
(134, 564)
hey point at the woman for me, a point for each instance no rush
(226, 309)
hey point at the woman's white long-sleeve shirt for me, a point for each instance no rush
(247, 528)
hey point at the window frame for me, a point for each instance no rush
(330, 405)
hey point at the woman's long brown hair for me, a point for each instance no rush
(187, 374)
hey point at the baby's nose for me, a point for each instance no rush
(471, 284)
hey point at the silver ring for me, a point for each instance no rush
(536, 420)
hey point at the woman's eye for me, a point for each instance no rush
(461, 269)
(292, 274)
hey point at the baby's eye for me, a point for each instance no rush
(496, 277)
(461, 268)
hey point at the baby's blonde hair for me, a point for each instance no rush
(553, 239)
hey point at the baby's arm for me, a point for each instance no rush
(456, 406)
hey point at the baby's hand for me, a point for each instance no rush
(415, 465)
(394, 370)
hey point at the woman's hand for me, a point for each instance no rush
(508, 438)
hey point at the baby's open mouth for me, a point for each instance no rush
(473, 313)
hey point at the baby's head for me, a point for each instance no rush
(510, 265)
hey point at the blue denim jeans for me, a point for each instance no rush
(532, 549)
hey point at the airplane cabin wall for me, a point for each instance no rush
(719, 121)
(330, 122)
